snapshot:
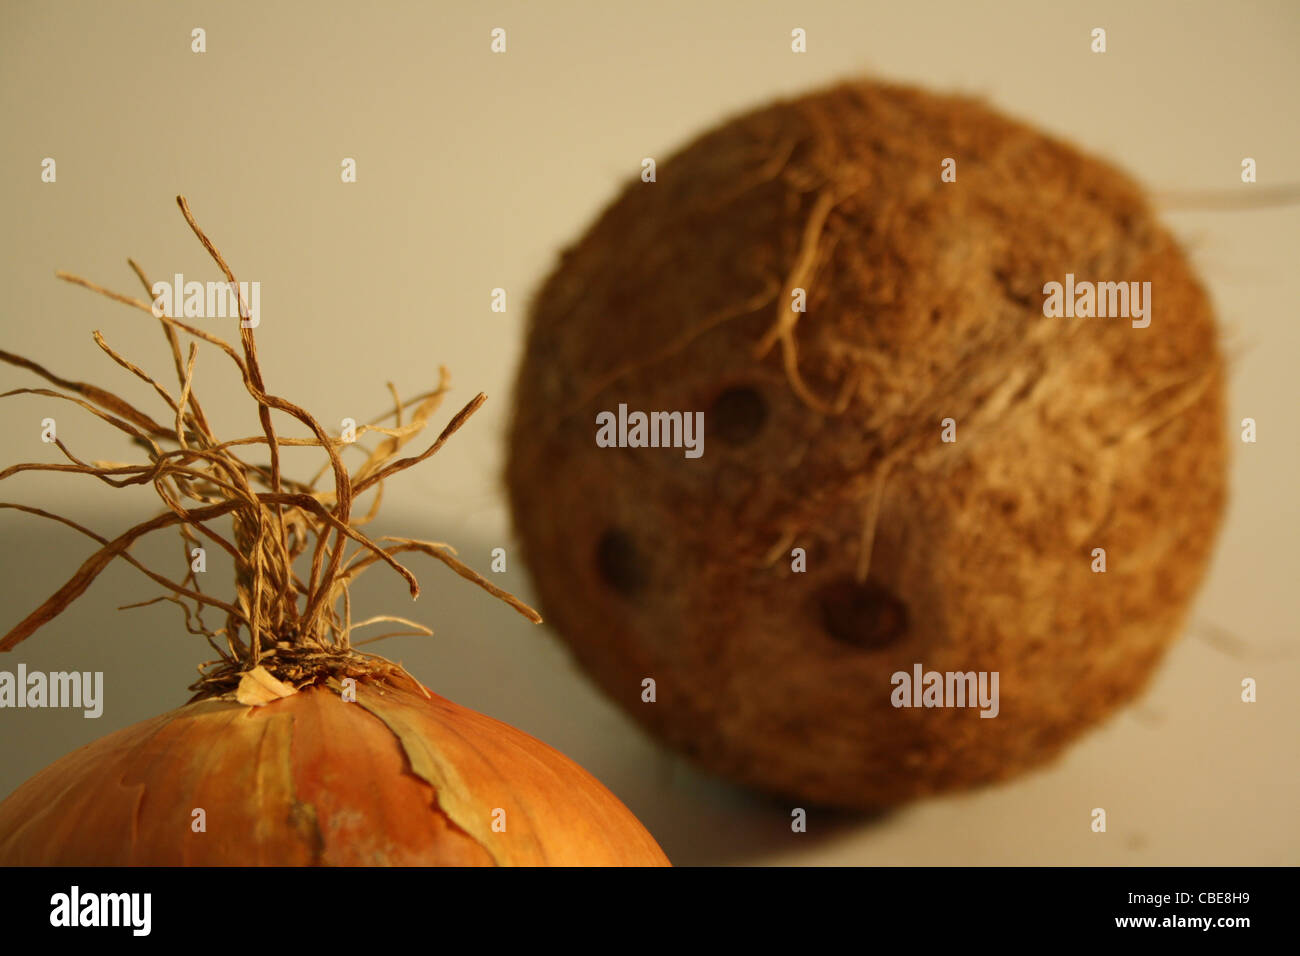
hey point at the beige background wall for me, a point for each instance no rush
(474, 170)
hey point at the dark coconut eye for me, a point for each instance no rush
(864, 615)
(737, 415)
(619, 562)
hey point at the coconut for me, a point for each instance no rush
(918, 454)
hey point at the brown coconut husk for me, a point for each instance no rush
(822, 432)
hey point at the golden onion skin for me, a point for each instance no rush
(395, 778)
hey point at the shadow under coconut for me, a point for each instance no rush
(482, 655)
(703, 821)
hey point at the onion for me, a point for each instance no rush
(400, 777)
(296, 748)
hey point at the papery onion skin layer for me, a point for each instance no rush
(393, 778)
